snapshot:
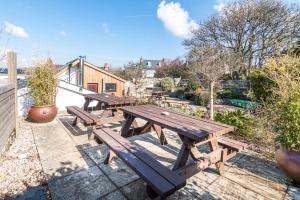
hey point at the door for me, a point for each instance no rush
(93, 87)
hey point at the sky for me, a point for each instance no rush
(111, 31)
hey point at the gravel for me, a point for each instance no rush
(20, 167)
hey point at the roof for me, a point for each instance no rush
(151, 64)
(103, 71)
(4, 70)
(76, 61)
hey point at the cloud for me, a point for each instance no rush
(15, 30)
(220, 5)
(105, 28)
(176, 19)
(63, 33)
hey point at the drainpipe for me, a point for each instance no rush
(103, 86)
(81, 69)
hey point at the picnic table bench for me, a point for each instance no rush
(87, 118)
(161, 180)
(192, 131)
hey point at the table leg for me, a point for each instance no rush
(126, 126)
(109, 157)
(75, 122)
(182, 156)
(160, 134)
(114, 112)
(214, 146)
(86, 104)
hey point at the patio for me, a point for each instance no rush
(73, 168)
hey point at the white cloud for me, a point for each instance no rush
(63, 33)
(176, 19)
(105, 28)
(15, 30)
(220, 5)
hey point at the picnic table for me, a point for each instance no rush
(191, 131)
(160, 179)
(109, 103)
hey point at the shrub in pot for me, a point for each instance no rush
(42, 85)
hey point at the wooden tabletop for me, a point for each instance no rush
(189, 126)
(109, 99)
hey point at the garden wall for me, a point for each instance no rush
(7, 115)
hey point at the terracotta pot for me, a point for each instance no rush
(42, 114)
(289, 162)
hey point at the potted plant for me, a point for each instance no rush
(42, 86)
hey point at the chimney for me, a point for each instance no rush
(106, 67)
(81, 71)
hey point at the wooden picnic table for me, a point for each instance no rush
(109, 103)
(192, 131)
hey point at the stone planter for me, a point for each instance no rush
(289, 162)
(42, 114)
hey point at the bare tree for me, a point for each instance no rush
(2, 51)
(172, 68)
(3, 44)
(253, 29)
(134, 72)
(211, 63)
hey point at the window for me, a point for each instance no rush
(111, 87)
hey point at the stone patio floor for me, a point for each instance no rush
(74, 169)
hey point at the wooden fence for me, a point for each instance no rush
(7, 115)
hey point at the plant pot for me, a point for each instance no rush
(289, 162)
(42, 114)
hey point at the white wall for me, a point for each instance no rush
(67, 95)
(73, 75)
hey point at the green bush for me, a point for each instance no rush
(178, 93)
(284, 102)
(287, 123)
(42, 84)
(167, 84)
(260, 84)
(202, 99)
(189, 96)
(231, 93)
(192, 86)
(243, 124)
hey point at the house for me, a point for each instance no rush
(150, 67)
(88, 76)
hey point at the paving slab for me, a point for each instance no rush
(66, 164)
(97, 153)
(119, 172)
(86, 184)
(135, 190)
(116, 195)
(224, 188)
(265, 187)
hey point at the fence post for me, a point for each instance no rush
(12, 75)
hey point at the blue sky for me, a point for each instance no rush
(113, 31)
